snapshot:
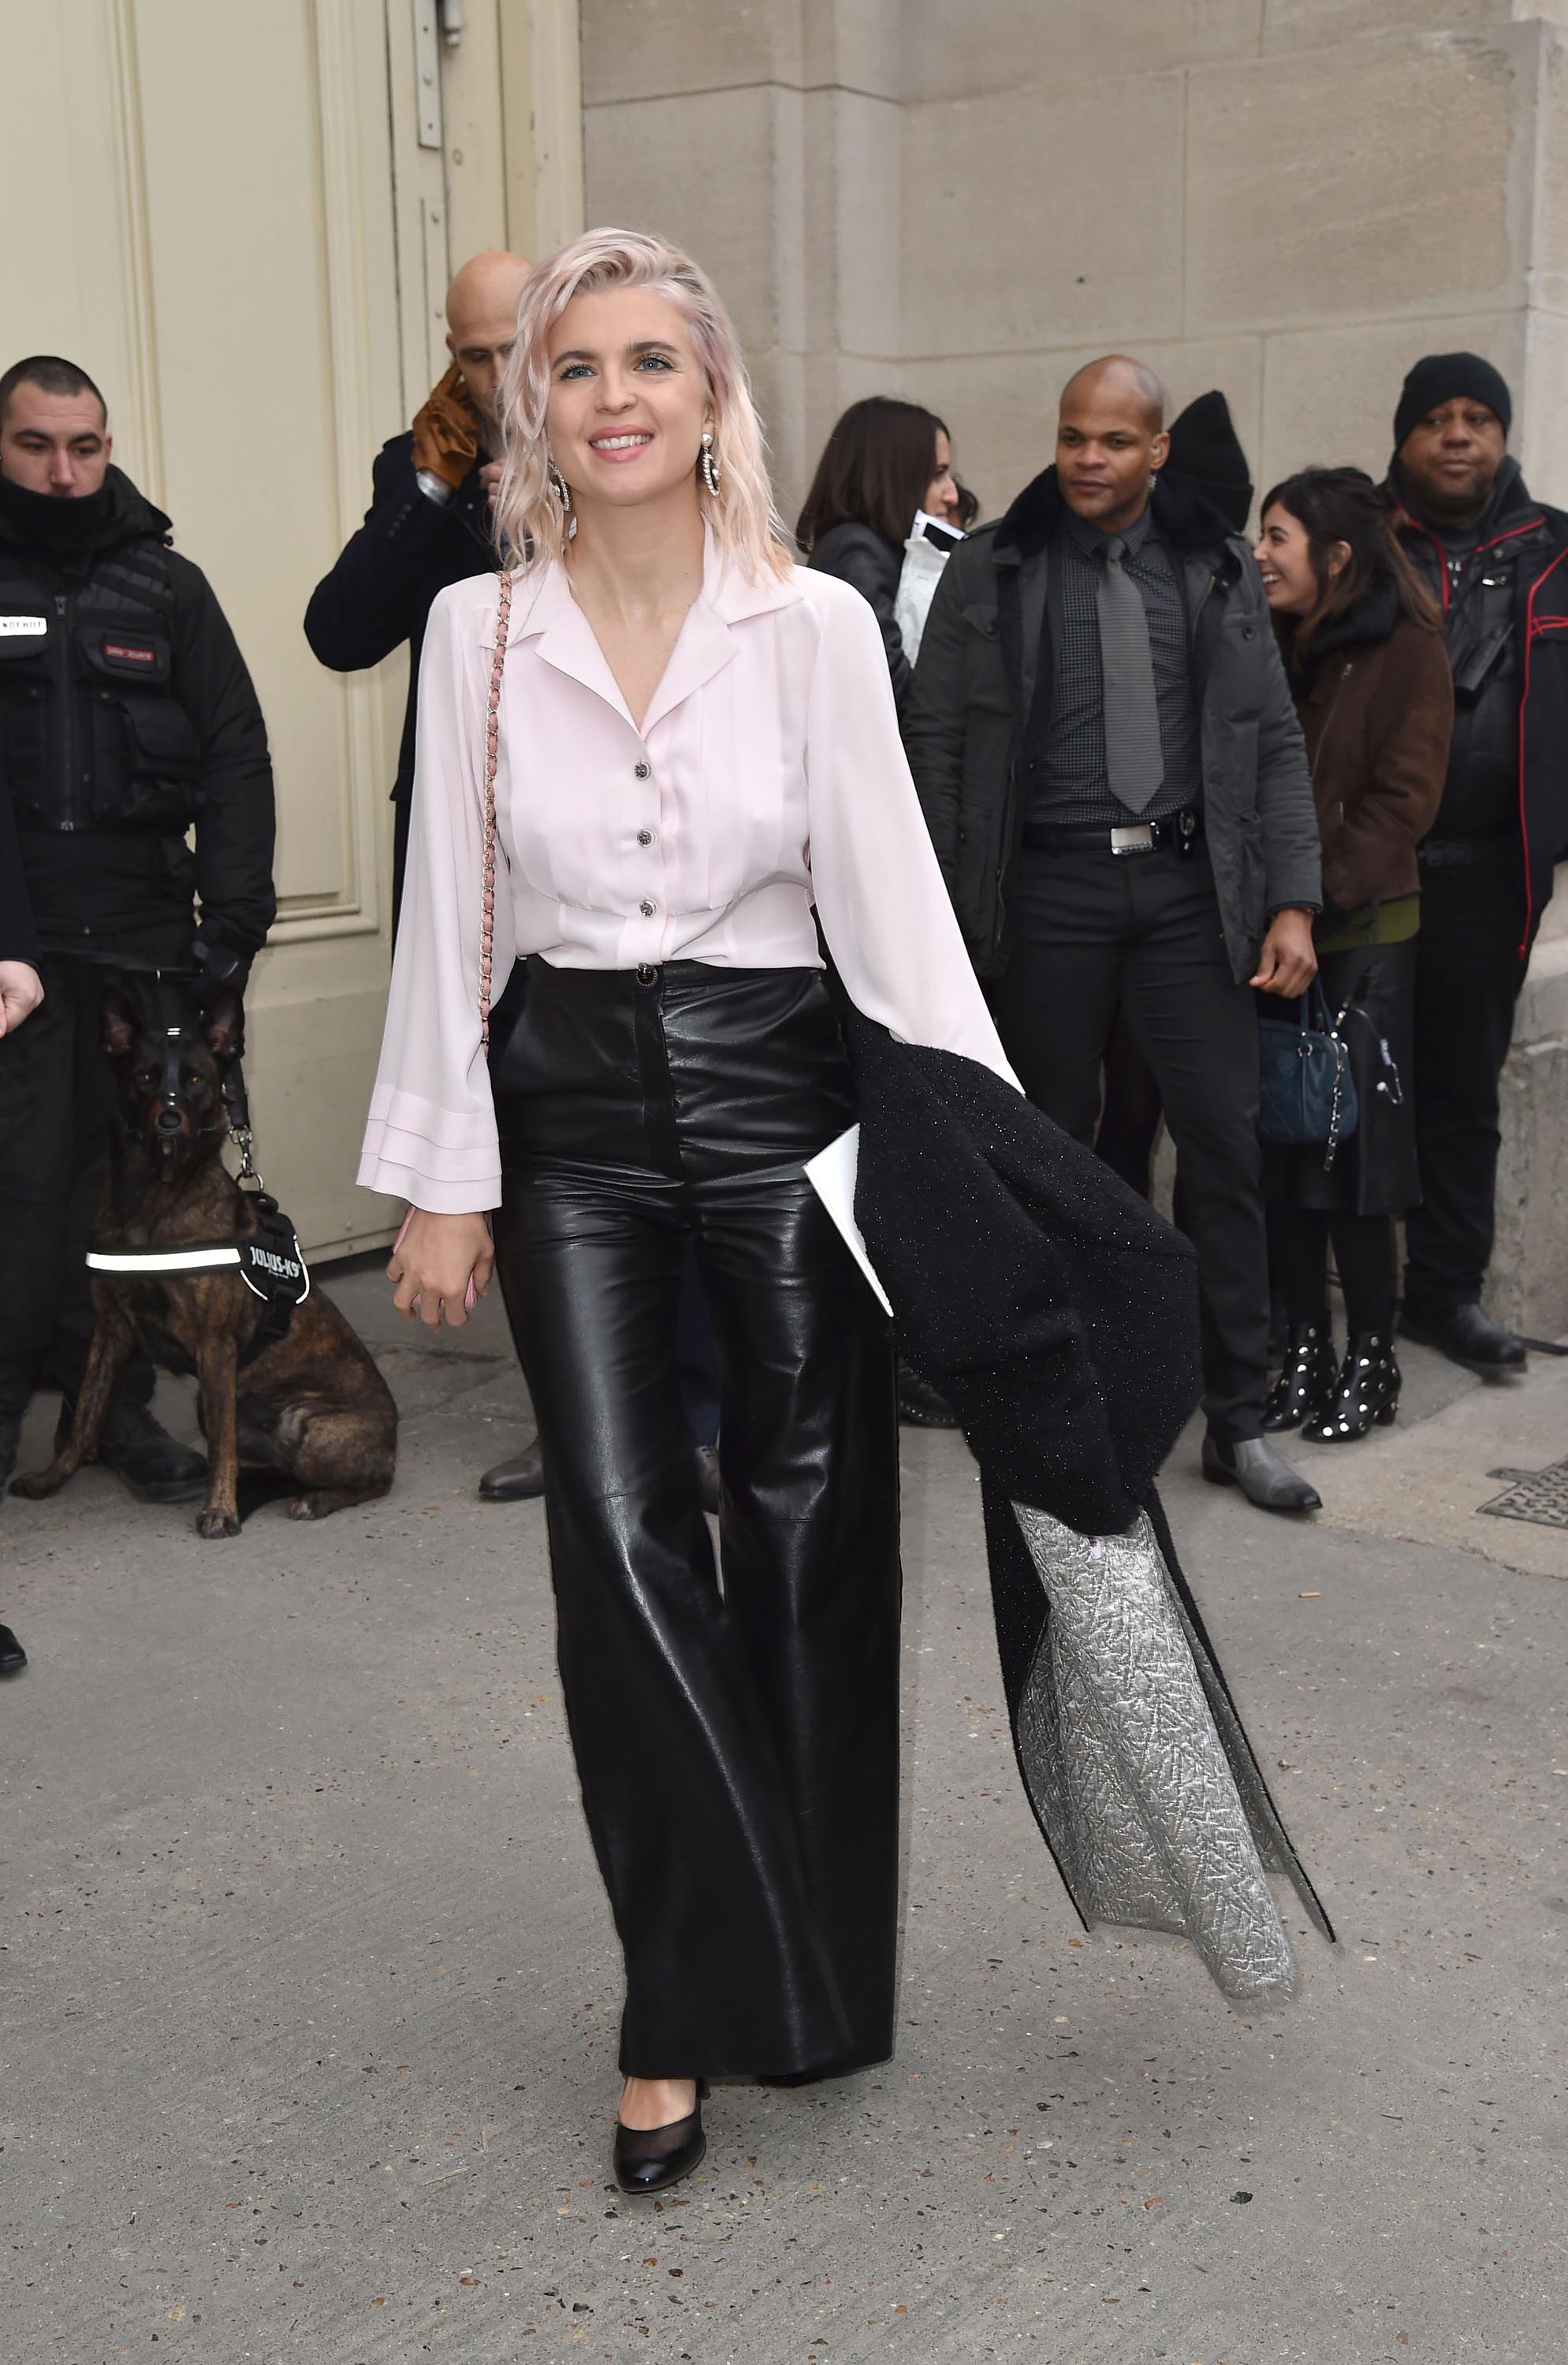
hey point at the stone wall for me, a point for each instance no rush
(1288, 199)
(962, 200)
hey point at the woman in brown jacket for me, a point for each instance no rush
(1362, 644)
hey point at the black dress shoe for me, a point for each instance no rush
(1306, 1378)
(650, 2159)
(516, 1481)
(920, 1405)
(1466, 1337)
(707, 1477)
(1264, 1476)
(1367, 1390)
(13, 1658)
(141, 1451)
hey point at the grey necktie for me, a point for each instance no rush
(1135, 762)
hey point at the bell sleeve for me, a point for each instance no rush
(430, 1137)
(880, 892)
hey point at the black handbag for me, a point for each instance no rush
(1308, 1092)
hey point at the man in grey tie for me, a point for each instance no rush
(1114, 777)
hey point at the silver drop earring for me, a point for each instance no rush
(559, 485)
(708, 467)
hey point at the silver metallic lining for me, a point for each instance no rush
(1135, 1763)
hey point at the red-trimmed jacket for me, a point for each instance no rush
(1522, 547)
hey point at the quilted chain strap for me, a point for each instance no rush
(492, 734)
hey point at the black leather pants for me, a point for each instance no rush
(736, 1741)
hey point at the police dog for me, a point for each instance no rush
(310, 1405)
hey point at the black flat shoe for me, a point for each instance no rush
(520, 1480)
(1306, 1379)
(650, 2159)
(1467, 1336)
(1367, 1391)
(13, 1658)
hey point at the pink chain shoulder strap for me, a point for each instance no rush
(492, 735)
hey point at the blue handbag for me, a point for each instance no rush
(1308, 1092)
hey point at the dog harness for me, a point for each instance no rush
(271, 1264)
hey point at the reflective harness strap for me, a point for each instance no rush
(159, 1259)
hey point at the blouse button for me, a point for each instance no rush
(642, 770)
(644, 838)
(647, 909)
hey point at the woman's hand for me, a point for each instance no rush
(435, 1260)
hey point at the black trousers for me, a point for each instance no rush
(57, 1114)
(1093, 932)
(736, 1737)
(1468, 975)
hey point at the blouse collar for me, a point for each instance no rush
(566, 639)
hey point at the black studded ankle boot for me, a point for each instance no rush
(1306, 1384)
(1367, 1390)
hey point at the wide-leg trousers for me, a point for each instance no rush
(735, 1729)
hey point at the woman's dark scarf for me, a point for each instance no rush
(1058, 1314)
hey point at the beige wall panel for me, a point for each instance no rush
(333, 1040)
(851, 175)
(1549, 249)
(708, 172)
(1315, 24)
(1542, 445)
(1323, 186)
(1329, 394)
(947, 50)
(1002, 412)
(471, 120)
(656, 49)
(1013, 236)
(241, 273)
(73, 292)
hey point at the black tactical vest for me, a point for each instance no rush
(92, 735)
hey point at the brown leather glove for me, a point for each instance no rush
(447, 432)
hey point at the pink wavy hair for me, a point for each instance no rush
(528, 514)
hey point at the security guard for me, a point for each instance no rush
(126, 721)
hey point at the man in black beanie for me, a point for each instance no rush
(1495, 561)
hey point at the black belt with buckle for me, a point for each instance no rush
(1176, 829)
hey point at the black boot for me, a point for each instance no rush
(141, 1451)
(1367, 1390)
(13, 1658)
(1306, 1381)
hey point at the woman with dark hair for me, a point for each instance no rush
(884, 460)
(1362, 644)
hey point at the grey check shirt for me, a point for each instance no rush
(1068, 779)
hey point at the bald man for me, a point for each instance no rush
(429, 521)
(1110, 763)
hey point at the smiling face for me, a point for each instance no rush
(54, 443)
(628, 399)
(1284, 561)
(1451, 458)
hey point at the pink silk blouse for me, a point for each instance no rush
(767, 776)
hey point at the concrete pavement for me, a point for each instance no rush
(309, 1992)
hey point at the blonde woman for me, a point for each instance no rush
(697, 746)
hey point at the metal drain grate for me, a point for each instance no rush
(1540, 1496)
